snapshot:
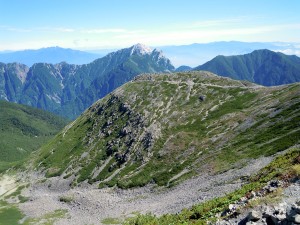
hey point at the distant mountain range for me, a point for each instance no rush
(68, 90)
(52, 55)
(191, 55)
(199, 53)
(263, 67)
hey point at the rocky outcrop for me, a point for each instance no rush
(283, 213)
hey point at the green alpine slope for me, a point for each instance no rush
(165, 128)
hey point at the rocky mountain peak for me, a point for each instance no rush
(159, 53)
(18, 69)
(140, 49)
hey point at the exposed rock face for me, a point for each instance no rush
(126, 135)
(286, 212)
(12, 79)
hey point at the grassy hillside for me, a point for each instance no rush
(166, 128)
(24, 129)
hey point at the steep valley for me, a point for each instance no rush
(24, 129)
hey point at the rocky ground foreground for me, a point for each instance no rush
(90, 205)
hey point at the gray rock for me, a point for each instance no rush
(251, 223)
(296, 218)
(280, 209)
(232, 207)
(223, 222)
(202, 98)
(256, 223)
(254, 216)
(271, 189)
(244, 200)
(281, 217)
(253, 194)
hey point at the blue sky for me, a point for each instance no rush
(100, 24)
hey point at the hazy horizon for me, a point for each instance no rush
(93, 25)
(191, 55)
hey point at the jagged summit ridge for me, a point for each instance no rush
(140, 49)
(155, 54)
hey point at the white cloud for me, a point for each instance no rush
(83, 31)
(54, 29)
(20, 30)
(290, 51)
(14, 29)
(188, 36)
(214, 23)
(100, 31)
(65, 30)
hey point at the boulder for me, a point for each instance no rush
(296, 218)
(254, 216)
(281, 217)
(280, 209)
(232, 207)
(201, 98)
